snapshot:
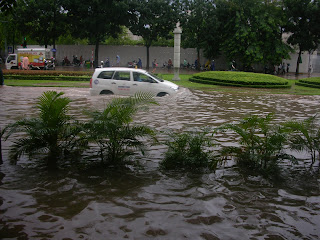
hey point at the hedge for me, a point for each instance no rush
(240, 79)
(210, 82)
(309, 82)
(45, 77)
(46, 73)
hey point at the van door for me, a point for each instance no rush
(144, 83)
(12, 61)
(122, 82)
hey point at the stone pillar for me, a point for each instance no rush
(176, 57)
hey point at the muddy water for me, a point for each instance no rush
(145, 203)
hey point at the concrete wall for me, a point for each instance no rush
(162, 54)
(126, 53)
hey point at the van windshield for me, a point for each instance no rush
(155, 77)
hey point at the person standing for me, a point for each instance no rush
(107, 63)
(154, 65)
(139, 63)
(118, 61)
(212, 66)
(169, 63)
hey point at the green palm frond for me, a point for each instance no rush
(305, 136)
(52, 133)
(112, 129)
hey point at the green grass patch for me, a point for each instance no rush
(240, 79)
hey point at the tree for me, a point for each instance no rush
(200, 27)
(95, 20)
(252, 31)
(7, 5)
(43, 21)
(153, 19)
(303, 25)
(53, 133)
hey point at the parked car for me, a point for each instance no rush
(128, 81)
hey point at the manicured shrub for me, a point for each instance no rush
(240, 79)
(309, 82)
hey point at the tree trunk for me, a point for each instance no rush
(1, 161)
(96, 54)
(298, 61)
(148, 57)
(198, 59)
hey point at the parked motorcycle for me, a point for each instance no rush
(49, 65)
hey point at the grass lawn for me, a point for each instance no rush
(184, 82)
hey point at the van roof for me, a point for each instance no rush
(120, 69)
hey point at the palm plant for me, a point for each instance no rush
(112, 129)
(261, 143)
(305, 136)
(53, 133)
(189, 150)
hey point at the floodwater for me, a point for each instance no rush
(145, 203)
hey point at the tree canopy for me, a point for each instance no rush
(248, 31)
(152, 19)
(303, 18)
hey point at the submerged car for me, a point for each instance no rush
(128, 81)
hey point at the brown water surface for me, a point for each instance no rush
(145, 203)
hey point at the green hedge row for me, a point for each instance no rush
(7, 72)
(309, 82)
(240, 79)
(221, 83)
(50, 78)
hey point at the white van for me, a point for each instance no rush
(128, 81)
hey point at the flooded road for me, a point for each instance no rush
(145, 203)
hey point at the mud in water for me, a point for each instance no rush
(145, 203)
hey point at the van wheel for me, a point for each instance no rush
(106, 92)
(162, 94)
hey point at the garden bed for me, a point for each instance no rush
(309, 82)
(240, 79)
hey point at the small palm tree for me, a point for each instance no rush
(305, 136)
(53, 133)
(261, 143)
(112, 129)
(189, 150)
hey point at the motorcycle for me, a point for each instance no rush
(49, 65)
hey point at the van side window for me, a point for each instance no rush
(140, 77)
(122, 76)
(106, 75)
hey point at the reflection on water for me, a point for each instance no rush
(150, 204)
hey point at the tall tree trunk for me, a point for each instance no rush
(198, 59)
(96, 54)
(148, 57)
(298, 61)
